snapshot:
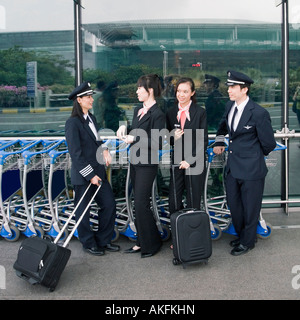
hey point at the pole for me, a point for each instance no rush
(78, 42)
(285, 104)
(165, 63)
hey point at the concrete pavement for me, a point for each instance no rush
(270, 271)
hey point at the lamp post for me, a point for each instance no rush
(285, 102)
(78, 42)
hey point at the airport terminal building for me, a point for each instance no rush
(122, 51)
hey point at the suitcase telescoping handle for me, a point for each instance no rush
(190, 183)
(80, 218)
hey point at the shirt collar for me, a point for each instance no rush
(242, 105)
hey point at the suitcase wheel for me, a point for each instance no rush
(176, 262)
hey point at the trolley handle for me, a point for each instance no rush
(4, 154)
(279, 147)
(55, 154)
(27, 155)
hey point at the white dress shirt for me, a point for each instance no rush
(92, 126)
(240, 108)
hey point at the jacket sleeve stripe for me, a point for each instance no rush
(86, 171)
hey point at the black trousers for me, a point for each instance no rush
(148, 237)
(244, 198)
(193, 185)
(106, 215)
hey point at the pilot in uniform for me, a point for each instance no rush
(86, 153)
(251, 138)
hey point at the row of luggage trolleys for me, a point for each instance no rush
(36, 198)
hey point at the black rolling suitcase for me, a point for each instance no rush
(41, 261)
(191, 236)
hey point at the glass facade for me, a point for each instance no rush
(119, 47)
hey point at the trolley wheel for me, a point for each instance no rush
(268, 232)
(217, 234)
(116, 235)
(15, 234)
(39, 232)
(176, 262)
(48, 237)
(166, 233)
(64, 235)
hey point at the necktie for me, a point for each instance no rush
(232, 120)
(183, 114)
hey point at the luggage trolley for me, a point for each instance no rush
(124, 218)
(33, 188)
(45, 210)
(10, 152)
(125, 210)
(61, 202)
(217, 206)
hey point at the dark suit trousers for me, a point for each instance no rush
(193, 185)
(106, 215)
(244, 198)
(148, 237)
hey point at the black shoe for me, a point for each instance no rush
(131, 250)
(240, 249)
(235, 243)
(112, 247)
(95, 251)
(146, 255)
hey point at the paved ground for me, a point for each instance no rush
(264, 273)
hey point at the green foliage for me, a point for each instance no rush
(51, 69)
(130, 74)
(96, 75)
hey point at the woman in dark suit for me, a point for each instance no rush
(86, 152)
(188, 123)
(147, 121)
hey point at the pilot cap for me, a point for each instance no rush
(210, 78)
(234, 78)
(83, 90)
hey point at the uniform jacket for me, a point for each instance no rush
(146, 143)
(198, 120)
(250, 143)
(84, 150)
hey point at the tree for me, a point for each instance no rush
(51, 69)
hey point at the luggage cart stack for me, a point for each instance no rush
(38, 200)
(33, 183)
(125, 220)
(217, 207)
(10, 183)
(124, 223)
(56, 163)
(62, 203)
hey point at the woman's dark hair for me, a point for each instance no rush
(77, 110)
(192, 85)
(150, 81)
